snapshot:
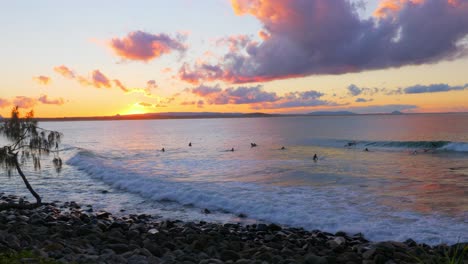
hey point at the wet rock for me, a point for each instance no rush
(229, 255)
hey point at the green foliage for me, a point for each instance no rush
(28, 140)
(20, 257)
(28, 143)
(457, 254)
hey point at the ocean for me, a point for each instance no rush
(411, 183)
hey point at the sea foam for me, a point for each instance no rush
(327, 208)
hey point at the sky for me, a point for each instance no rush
(103, 58)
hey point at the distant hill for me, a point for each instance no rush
(166, 115)
(332, 113)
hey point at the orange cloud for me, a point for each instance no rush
(98, 79)
(45, 100)
(120, 85)
(389, 7)
(65, 71)
(4, 103)
(24, 102)
(166, 70)
(41, 79)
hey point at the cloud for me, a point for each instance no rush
(166, 70)
(376, 109)
(329, 37)
(4, 103)
(151, 84)
(353, 90)
(149, 105)
(98, 79)
(41, 79)
(45, 100)
(258, 98)
(24, 102)
(142, 46)
(298, 99)
(239, 95)
(199, 103)
(65, 71)
(433, 88)
(362, 100)
(120, 85)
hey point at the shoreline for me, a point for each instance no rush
(67, 232)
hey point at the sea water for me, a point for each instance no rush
(411, 183)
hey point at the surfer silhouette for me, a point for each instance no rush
(315, 157)
(163, 150)
(283, 147)
(190, 144)
(232, 149)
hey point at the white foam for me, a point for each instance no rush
(456, 146)
(326, 208)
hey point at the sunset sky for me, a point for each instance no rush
(100, 58)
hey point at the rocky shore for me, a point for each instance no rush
(70, 233)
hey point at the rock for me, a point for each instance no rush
(138, 259)
(229, 255)
(274, 227)
(262, 227)
(340, 240)
(313, 259)
(103, 215)
(119, 248)
(153, 231)
(211, 261)
(369, 253)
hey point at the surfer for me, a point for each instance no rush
(366, 149)
(163, 150)
(315, 157)
(190, 144)
(232, 149)
(252, 145)
(283, 148)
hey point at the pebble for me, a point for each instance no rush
(65, 233)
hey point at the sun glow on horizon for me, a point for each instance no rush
(134, 109)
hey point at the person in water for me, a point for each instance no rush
(190, 144)
(283, 147)
(315, 157)
(366, 149)
(253, 145)
(163, 150)
(232, 149)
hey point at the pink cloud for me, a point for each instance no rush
(41, 79)
(4, 103)
(257, 98)
(65, 71)
(142, 46)
(315, 37)
(98, 79)
(45, 100)
(24, 102)
(120, 85)
(166, 70)
(151, 84)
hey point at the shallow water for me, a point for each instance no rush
(413, 181)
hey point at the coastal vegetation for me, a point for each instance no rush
(28, 143)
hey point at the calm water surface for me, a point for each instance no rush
(413, 181)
